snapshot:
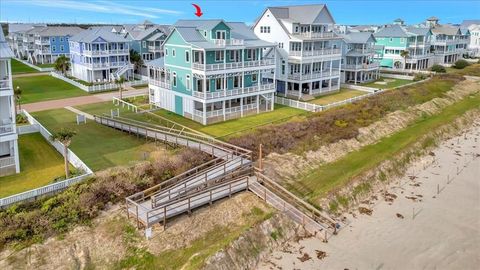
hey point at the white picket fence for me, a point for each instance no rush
(298, 104)
(35, 67)
(116, 101)
(96, 87)
(55, 187)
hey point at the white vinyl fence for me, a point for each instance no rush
(96, 87)
(298, 104)
(34, 67)
(55, 187)
(116, 101)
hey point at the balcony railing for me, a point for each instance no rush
(154, 48)
(363, 51)
(324, 52)
(6, 162)
(361, 66)
(229, 42)
(7, 128)
(227, 111)
(315, 75)
(445, 41)
(106, 64)
(233, 65)
(42, 42)
(5, 85)
(234, 92)
(316, 34)
(105, 52)
(166, 85)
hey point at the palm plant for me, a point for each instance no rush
(404, 54)
(62, 64)
(64, 136)
(136, 59)
(18, 94)
(119, 81)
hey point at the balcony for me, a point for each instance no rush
(228, 42)
(42, 42)
(233, 65)
(362, 51)
(315, 53)
(166, 84)
(154, 48)
(361, 66)
(445, 41)
(228, 111)
(105, 52)
(234, 92)
(5, 85)
(314, 75)
(106, 64)
(316, 35)
(7, 129)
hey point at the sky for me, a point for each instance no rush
(167, 12)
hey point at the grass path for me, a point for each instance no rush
(390, 83)
(20, 68)
(320, 181)
(343, 94)
(40, 164)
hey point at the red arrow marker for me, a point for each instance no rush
(199, 10)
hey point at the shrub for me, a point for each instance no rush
(419, 77)
(438, 68)
(21, 119)
(461, 64)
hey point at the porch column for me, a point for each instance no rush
(205, 87)
(355, 81)
(272, 102)
(258, 104)
(241, 107)
(16, 156)
(223, 108)
(310, 90)
(204, 113)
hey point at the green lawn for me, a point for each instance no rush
(45, 87)
(471, 70)
(100, 147)
(222, 129)
(326, 178)
(389, 83)
(45, 65)
(40, 164)
(19, 68)
(343, 94)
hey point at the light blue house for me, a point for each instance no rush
(213, 71)
(100, 54)
(52, 42)
(147, 38)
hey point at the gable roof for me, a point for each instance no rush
(448, 30)
(199, 24)
(22, 27)
(5, 51)
(56, 31)
(393, 30)
(358, 37)
(105, 32)
(302, 14)
(419, 31)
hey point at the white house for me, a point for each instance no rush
(9, 159)
(309, 50)
(358, 65)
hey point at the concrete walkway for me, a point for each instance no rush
(76, 101)
(30, 74)
(87, 115)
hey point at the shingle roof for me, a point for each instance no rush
(358, 37)
(445, 30)
(50, 31)
(418, 31)
(393, 30)
(155, 36)
(199, 24)
(105, 32)
(137, 32)
(22, 27)
(159, 63)
(303, 14)
(5, 51)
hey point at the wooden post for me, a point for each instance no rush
(164, 217)
(138, 225)
(260, 165)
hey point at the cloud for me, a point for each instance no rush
(101, 7)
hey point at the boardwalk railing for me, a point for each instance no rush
(55, 187)
(116, 101)
(96, 87)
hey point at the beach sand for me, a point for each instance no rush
(437, 231)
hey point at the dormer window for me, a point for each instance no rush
(221, 34)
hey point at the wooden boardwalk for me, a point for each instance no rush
(230, 171)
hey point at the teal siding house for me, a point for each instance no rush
(391, 40)
(147, 38)
(213, 71)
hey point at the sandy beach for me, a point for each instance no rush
(433, 223)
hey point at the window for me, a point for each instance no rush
(402, 40)
(61, 48)
(264, 29)
(187, 56)
(174, 79)
(268, 29)
(166, 52)
(280, 45)
(251, 53)
(188, 82)
(254, 77)
(391, 39)
(61, 39)
(173, 52)
(144, 44)
(219, 56)
(53, 39)
(296, 29)
(221, 34)
(54, 48)
(218, 83)
(236, 81)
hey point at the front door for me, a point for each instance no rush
(179, 105)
